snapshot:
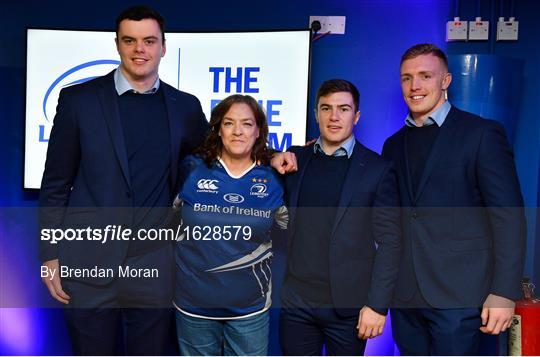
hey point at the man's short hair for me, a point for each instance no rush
(424, 49)
(338, 85)
(138, 13)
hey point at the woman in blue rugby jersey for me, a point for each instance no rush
(230, 199)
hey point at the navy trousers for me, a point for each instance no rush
(420, 330)
(305, 329)
(128, 316)
(449, 332)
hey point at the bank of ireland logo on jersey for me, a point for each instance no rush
(207, 185)
(233, 198)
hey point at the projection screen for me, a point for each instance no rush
(271, 66)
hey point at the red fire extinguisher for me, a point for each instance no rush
(524, 335)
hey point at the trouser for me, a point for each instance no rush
(422, 330)
(235, 337)
(138, 307)
(305, 329)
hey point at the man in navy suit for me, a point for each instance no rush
(462, 218)
(342, 202)
(112, 161)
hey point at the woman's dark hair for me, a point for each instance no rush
(212, 146)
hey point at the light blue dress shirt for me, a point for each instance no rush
(122, 85)
(345, 149)
(437, 117)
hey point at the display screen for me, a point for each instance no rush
(271, 66)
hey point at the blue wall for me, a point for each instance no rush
(377, 32)
(526, 138)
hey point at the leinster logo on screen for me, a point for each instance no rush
(75, 75)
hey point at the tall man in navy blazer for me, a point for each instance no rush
(343, 202)
(463, 221)
(112, 159)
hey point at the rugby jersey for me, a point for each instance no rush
(223, 259)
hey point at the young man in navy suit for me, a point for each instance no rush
(342, 202)
(112, 161)
(462, 218)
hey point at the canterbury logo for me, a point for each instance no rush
(206, 184)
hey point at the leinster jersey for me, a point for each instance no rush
(223, 257)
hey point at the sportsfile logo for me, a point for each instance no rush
(75, 75)
(207, 185)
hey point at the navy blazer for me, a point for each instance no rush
(367, 217)
(464, 228)
(86, 181)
